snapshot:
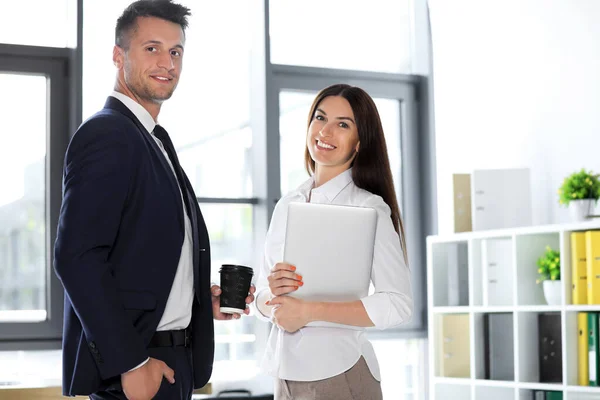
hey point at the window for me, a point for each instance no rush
(233, 157)
(361, 35)
(231, 240)
(22, 200)
(30, 171)
(21, 22)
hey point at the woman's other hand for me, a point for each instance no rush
(283, 279)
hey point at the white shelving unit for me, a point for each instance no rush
(524, 299)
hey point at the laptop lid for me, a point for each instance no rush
(332, 248)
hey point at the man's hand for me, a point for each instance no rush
(215, 291)
(143, 383)
(290, 313)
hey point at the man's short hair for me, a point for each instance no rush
(163, 9)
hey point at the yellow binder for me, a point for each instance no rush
(592, 240)
(579, 267)
(582, 349)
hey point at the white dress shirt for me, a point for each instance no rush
(178, 311)
(315, 353)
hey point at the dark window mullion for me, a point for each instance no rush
(224, 200)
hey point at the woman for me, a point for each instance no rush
(347, 159)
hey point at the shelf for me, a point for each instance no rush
(494, 309)
(504, 309)
(540, 308)
(451, 381)
(541, 386)
(508, 258)
(525, 230)
(451, 310)
(584, 389)
(581, 395)
(452, 391)
(582, 308)
(491, 383)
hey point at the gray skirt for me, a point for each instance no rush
(355, 384)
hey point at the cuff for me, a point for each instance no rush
(139, 366)
(264, 311)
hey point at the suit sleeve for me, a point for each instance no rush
(97, 174)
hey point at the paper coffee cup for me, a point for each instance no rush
(235, 285)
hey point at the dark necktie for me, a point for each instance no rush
(162, 135)
(188, 197)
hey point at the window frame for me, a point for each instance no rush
(404, 89)
(267, 80)
(55, 64)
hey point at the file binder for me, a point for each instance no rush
(458, 275)
(454, 343)
(593, 266)
(499, 346)
(462, 202)
(550, 347)
(583, 374)
(579, 267)
(593, 348)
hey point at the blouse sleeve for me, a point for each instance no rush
(273, 253)
(391, 304)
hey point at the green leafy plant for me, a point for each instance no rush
(549, 265)
(578, 186)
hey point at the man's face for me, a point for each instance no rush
(151, 66)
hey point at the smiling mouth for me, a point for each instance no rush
(325, 146)
(162, 79)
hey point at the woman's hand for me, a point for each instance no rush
(290, 314)
(283, 279)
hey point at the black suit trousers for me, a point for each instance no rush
(179, 359)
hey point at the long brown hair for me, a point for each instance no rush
(371, 167)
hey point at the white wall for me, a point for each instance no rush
(516, 84)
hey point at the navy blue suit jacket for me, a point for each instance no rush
(119, 241)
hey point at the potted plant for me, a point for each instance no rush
(580, 191)
(549, 274)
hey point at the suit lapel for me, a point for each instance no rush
(115, 105)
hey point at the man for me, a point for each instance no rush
(132, 249)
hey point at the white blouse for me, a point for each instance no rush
(315, 353)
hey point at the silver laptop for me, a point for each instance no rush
(332, 248)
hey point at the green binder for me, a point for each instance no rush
(593, 348)
(554, 396)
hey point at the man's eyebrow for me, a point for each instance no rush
(159, 42)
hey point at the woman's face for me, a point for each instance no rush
(332, 138)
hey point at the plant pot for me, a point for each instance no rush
(552, 292)
(580, 210)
